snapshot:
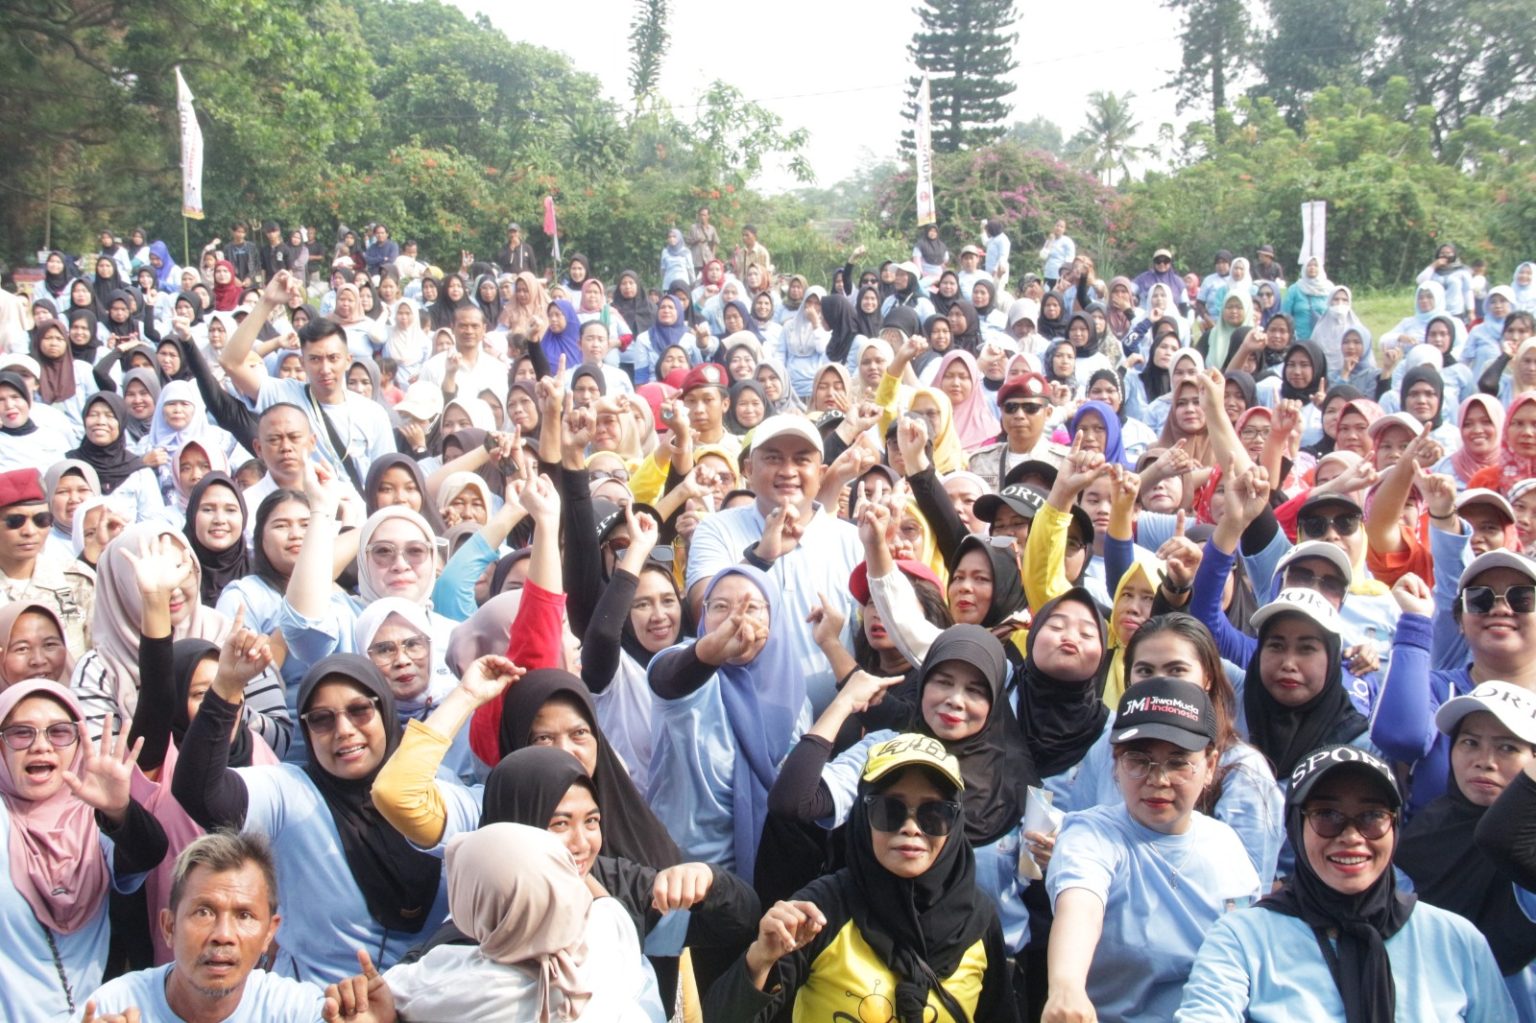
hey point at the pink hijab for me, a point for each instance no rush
(1516, 467)
(1463, 462)
(975, 420)
(56, 861)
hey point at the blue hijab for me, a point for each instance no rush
(763, 702)
(165, 277)
(746, 317)
(1114, 449)
(567, 342)
(663, 336)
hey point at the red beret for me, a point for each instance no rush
(1025, 385)
(20, 486)
(858, 582)
(706, 374)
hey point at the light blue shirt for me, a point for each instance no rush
(267, 998)
(1263, 966)
(325, 917)
(1058, 253)
(998, 249)
(821, 563)
(362, 424)
(1161, 894)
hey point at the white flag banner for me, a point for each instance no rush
(191, 152)
(923, 138)
(1314, 232)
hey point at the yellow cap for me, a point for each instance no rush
(912, 750)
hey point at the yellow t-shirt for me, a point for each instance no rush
(848, 983)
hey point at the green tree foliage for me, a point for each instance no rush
(966, 48)
(1314, 44)
(1104, 145)
(648, 45)
(1037, 133)
(1215, 48)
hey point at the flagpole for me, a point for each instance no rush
(186, 246)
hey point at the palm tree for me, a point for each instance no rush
(1104, 143)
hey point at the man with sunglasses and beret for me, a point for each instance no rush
(1495, 610)
(30, 576)
(1024, 406)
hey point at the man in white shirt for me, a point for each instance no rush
(595, 344)
(467, 368)
(350, 430)
(221, 919)
(285, 443)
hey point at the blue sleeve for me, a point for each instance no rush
(1205, 606)
(1153, 529)
(1252, 806)
(453, 596)
(1404, 726)
(841, 776)
(1449, 647)
(310, 639)
(1085, 857)
(1219, 983)
(1261, 566)
(1118, 555)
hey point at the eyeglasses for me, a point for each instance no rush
(1315, 526)
(1252, 433)
(622, 475)
(1029, 408)
(1162, 259)
(42, 520)
(1480, 600)
(935, 817)
(60, 735)
(414, 647)
(662, 556)
(1372, 824)
(1330, 586)
(1138, 766)
(323, 721)
(1075, 546)
(384, 555)
(753, 609)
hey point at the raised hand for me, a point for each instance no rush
(1078, 470)
(1248, 492)
(1174, 461)
(784, 928)
(1413, 595)
(243, 655)
(643, 535)
(874, 525)
(541, 500)
(912, 442)
(863, 690)
(320, 487)
(129, 1015)
(862, 416)
(1424, 451)
(826, 622)
(109, 525)
(161, 567)
(1181, 558)
(1440, 494)
(106, 771)
(781, 531)
(579, 423)
(735, 640)
(1359, 476)
(488, 677)
(681, 887)
(414, 434)
(551, 392)
(1287, 420)
(361, 998)
(1127, 486)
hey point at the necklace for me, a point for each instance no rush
(1173, 869)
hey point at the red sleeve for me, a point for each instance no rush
(536, 642)
(1413, 556)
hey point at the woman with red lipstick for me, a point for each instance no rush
(1137, 885)
(1340, 941)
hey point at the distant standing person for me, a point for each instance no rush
(998, 249)
(676, 261)
(1058, 251)
(752, 253)
(1452, 275)
(1267, 269)
(516, 256)
(702, 239)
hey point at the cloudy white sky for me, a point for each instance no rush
(838, 69)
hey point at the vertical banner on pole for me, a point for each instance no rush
(1314, 232)
(191, 152)
(923, 139)
(551, 228)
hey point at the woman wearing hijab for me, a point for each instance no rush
(215, 530)
(1330, 330)
(676, 260)
(226, 286)
(350, 880)
(181, 418)
(562, 336)
(1302, 376)
(1236, 312)
(1307, 301)
(959, 699)
(451, 295)
(960, 379)
(934, 407)
(1355, 947)
(1057, 689)
(930, 253)
(903, 929)
(803, 345)
(735, 682)
(105, 281)
(1150, 380)
(74, 832)
(1121, 311)
(59, 273)
(33, 645)
(668, 330)
(946, 292)
(487, 295)
(22, 443)
(775, 381)
(1517, 448)
(1430, 302)
(66, 382)
(68, 483)
(105, 449)
(1479, 424)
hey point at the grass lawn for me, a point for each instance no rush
(1381, 310)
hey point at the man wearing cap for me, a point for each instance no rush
(1058, 251)
(1024, 403)
(803, 547)
(1265, 268)
(1496, 612)
(27, 574)
(1214, 284)
(516, 256)
(970, 268)
(705, 395)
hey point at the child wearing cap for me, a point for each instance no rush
(1339, 941)
(1493, 734)
(902, 932)
(1137, 885)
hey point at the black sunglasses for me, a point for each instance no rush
(935, 817)
(1315, 526)
(1372, 824)
(1029, 408)
(1480, 600)
(1330, 586)
(42, 519)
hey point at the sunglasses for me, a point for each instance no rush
(384, 555)
(1029, 408)
(1330, 586)
(60, 735)
(42, 519)
(1372, 824)
(622, 475)
(1480, 600)
(935, 818)
(323, 721)
(1315, 526)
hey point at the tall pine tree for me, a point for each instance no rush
(1216, 48)
(966, 47)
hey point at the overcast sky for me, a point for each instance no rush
(838, 69)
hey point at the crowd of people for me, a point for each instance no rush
(951, 639)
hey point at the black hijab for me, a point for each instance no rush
(734, 425)
(1246, 385)
(113, 462)
(1089, 347)
(398, 881)
(504, 566)
(638, 311)
(1061, 718)
(1156, 380)
(1314, 352)
(440, 313)
(103, 287)
(933, 250)
(920, 928)
(843, 323)
(941, 304)
(528, 785)
(1425, 374)
(57, 282)
(630, 829)
(186, 655)
(1052, 327)
(1286, 734)
(220, 568)
(1448, 869)
(129, 325)
(1007, 585)
(86, 351)
(490, 307)
(969, 339)
(864, 323)
(994, 763)
(1338, 392)
(15, 383)
(1351, 930)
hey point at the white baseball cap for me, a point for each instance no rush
(1492, 498)
(1403, 419)
(1299, 601)
(1329, 552)
(1497, 559)
(1515, 707)
(786, 424)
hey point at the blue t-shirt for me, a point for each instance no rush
(1161, 894)
(267, 998)
(361, 423)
